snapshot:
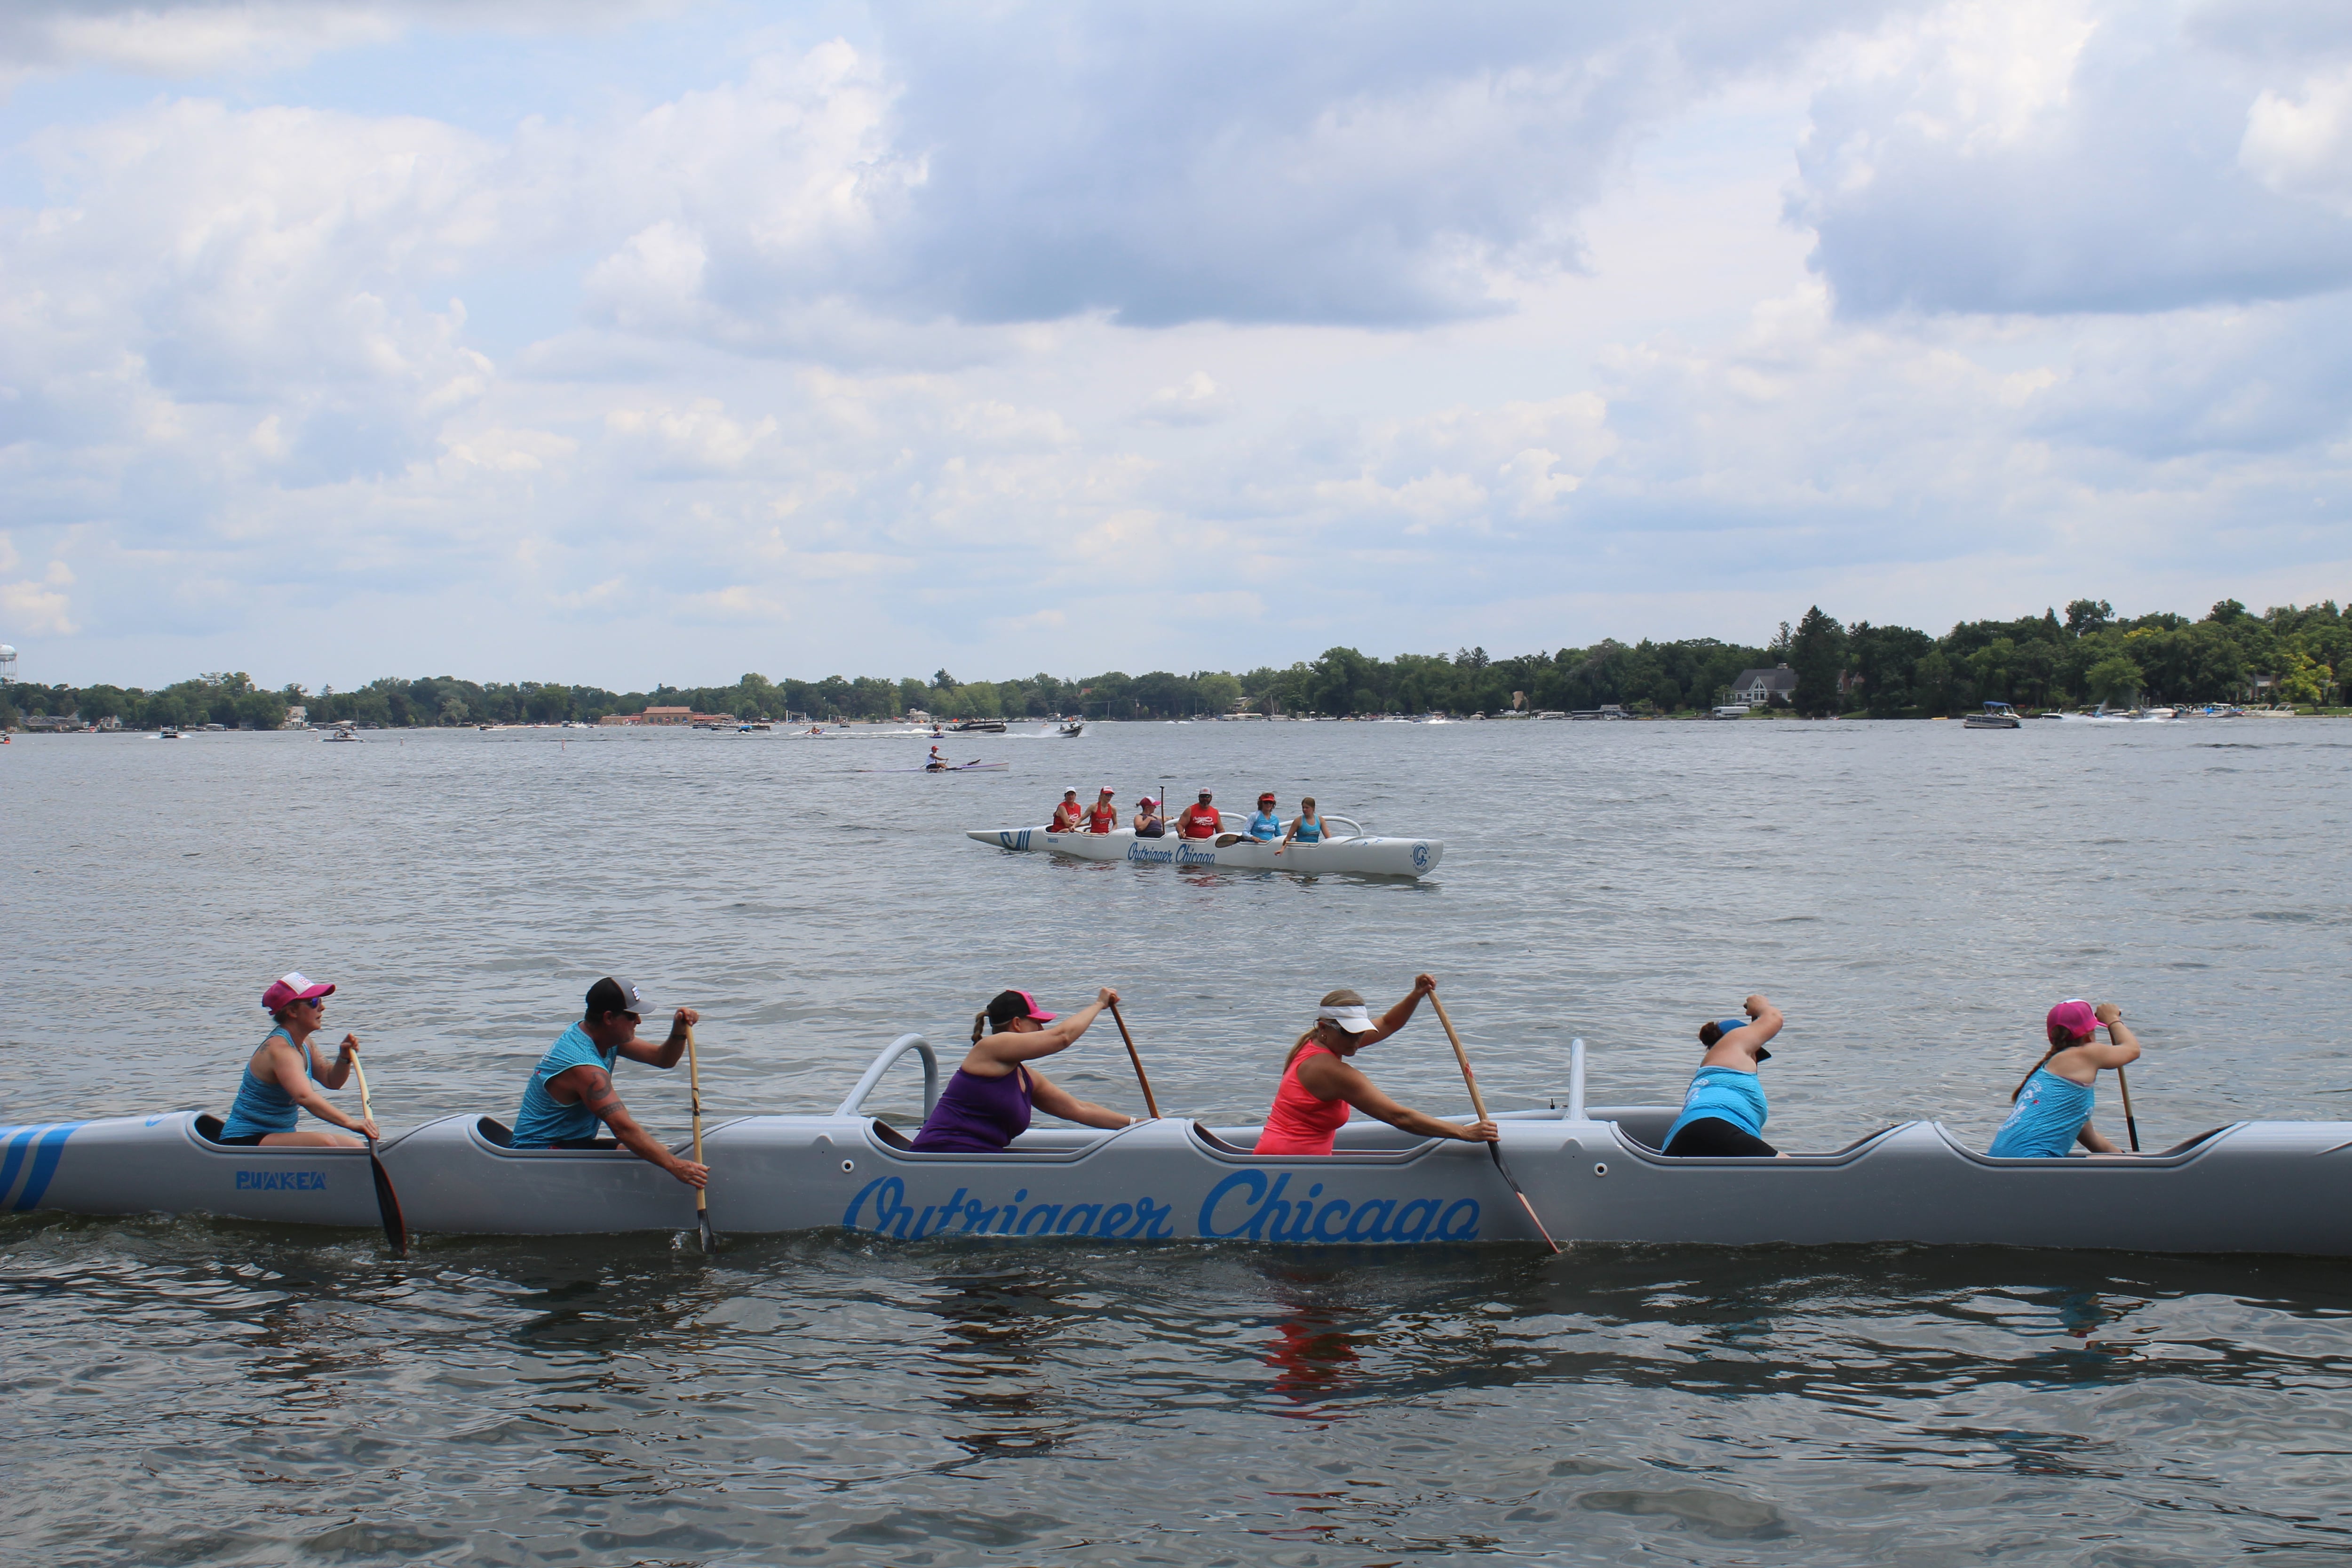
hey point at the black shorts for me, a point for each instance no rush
(1711, 1137)
(242, 1140)
(585, 1143)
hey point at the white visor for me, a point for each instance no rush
(1352, 1020)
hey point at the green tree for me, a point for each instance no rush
(1817, 653)
(2086, 615)
(2114, 681)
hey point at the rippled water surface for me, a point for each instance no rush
(183, 1391)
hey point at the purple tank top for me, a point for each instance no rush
(977, 1115)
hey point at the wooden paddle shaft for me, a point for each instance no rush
(2131, 1123)
(693, 1098)
(1469, 1078)
(1149, 1104)
(365, 1114)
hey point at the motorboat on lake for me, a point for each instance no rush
(1593, 1174)
(1352, 852)
(1995, 715)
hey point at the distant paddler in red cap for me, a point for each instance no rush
(1148, 823)
(284, 1075)
(2050, 1110)
(1103, 816)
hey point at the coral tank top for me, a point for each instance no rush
(1299, 1124)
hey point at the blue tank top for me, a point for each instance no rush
(263, 1106)
(1725, 1094)
(545, 1119)
(1310, 830)
(977, 1115)
(1264, 826)
(2050, 1111)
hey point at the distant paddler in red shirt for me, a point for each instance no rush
(1069, 816)
(1319, 1083)
(1103, 816)
(1200, 820)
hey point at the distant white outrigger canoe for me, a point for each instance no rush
(1593, 1175)
(1357, 853)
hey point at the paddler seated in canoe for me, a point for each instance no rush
(1200, 820)
(1104, 816)
(571, 1090)
(1263, 824)
(1069, 816)
(2050, 1108)
(1148, 823)
(1724, 1109)
(1306, 827)
(986, 1104)
(284, 1075)
(937, 765)
(1319, 1083)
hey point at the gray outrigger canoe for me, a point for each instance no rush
(1593, 1174)
(1352, 852)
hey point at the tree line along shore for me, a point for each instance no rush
(2087, 655)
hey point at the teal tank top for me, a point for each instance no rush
(263, 1106)
(1311, 832)
(1725, 1094)
(545, 1119)
(2050, 1111)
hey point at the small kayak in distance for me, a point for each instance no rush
(956, 768)
(1359, 854)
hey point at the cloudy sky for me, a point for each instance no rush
(620, 341)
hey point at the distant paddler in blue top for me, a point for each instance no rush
(284, 1075)
(571, 1090)
(2050, 1110)
(1724, 1109)
(1306, 827)
(1263, 824)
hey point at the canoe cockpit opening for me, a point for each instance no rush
(2191, 1144)
(208, 1126)
(886, 1133)
(494, 1130)
(1206, 1135)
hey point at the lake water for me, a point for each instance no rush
(1914, 895)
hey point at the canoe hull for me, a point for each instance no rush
(1369, 856)
(2253, 1187)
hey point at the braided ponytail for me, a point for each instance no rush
(978, 1025)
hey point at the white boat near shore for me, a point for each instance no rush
(1357, 853)
(1594, 1174)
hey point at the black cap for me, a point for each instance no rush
(611, 995)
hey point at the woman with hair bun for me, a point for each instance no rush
(986, 1104)
(1319, 1083)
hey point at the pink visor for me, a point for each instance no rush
(291, 988)
(1035, 1012)
(2074, 1018)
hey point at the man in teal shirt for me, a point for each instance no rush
(571, 1090)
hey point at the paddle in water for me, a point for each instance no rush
(1478, 1104)
(1149, 1103)
(387, 1202)
(693, 1098)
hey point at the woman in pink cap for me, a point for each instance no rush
(284, 1075)
(2050, 1110)
(986, 1104)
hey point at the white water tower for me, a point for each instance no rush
(7, 664)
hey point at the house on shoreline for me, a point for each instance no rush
(1759, 687)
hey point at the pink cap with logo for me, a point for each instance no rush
(291, 988)
(2074, 1019)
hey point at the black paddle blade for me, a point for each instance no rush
(708, 1244)
(387, 1204)
(1496, 1150)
